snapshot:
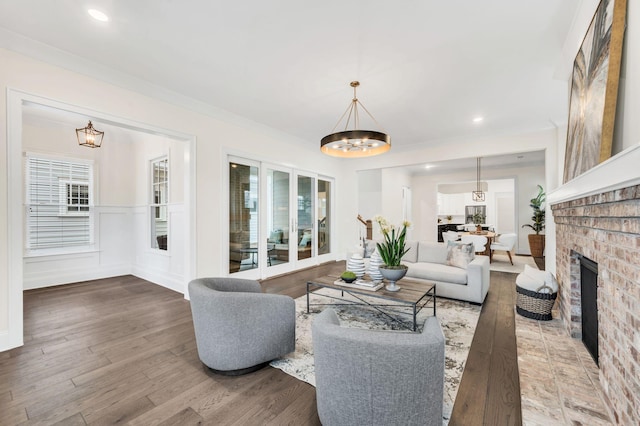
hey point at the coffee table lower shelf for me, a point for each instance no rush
(413, 296)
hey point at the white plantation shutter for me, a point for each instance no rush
(59, 203)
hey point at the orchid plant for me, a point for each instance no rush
(394, 245)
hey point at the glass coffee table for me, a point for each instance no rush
(411, 299)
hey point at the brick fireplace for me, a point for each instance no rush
(605, 227)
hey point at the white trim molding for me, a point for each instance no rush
(619, 171)
(13, 336)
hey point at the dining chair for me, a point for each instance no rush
(450, 236)
(505, 242)
(479, 242)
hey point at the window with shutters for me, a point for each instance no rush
(59, 204)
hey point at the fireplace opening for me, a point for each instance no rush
(589, 300)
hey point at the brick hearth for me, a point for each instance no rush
(605, 228)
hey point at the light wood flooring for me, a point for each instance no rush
(122, 350)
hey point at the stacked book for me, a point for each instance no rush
(361, 284)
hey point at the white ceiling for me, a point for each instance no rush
(521, 159)
(426, 68)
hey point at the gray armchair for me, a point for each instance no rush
(369, 377)
(238, 328)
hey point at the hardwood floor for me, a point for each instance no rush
(122, 350)
(489, 392)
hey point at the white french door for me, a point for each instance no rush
(279, 219)
(305, 231)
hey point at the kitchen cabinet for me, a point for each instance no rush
(451, 204)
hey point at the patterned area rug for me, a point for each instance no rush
(458, 321)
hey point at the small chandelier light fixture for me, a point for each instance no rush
(88, 136)
(355, 143)
(478, 195)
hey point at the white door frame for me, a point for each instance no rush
(15, 217)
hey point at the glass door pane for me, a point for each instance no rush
(243, 217)
(278, 217)
(305, 217)
(324, 218)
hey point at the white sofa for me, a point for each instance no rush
(427, 261)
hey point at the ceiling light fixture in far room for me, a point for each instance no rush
(478, 195)
(356, 142)
(98, 15)
(478, 120)
(88, 136)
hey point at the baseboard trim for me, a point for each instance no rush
(174, 283)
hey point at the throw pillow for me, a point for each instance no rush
(306, 238)
(460, 255)
(541, 277)
(275, 236)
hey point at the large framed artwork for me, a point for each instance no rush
(594, 90)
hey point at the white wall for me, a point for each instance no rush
(627, 126)
(369, 194)
(393, 182)
(121, 176)
(215, 134)
(159, 266)
(380, 192)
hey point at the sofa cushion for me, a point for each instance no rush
(459, 255)
(432, 252)
(412, 254)
(437, 272)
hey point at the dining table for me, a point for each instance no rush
(490, 237)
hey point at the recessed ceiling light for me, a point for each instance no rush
(98, 15)
(478, 119)
(428, 166)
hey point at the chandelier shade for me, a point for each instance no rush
(90, 137)
(356, 142)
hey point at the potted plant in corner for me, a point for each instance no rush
(391, 251)
(537, 240)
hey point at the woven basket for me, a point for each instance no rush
(534, 304)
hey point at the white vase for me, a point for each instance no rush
(355, 264)
(374, 266)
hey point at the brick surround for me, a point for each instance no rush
(605, 228)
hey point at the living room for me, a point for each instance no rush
(43, 70)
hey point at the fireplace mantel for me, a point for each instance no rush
(597, 215)
(619, 171)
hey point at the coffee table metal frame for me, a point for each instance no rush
(413, 295)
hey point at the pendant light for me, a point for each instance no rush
(88, 136)
(477, 195)
(355, 143)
